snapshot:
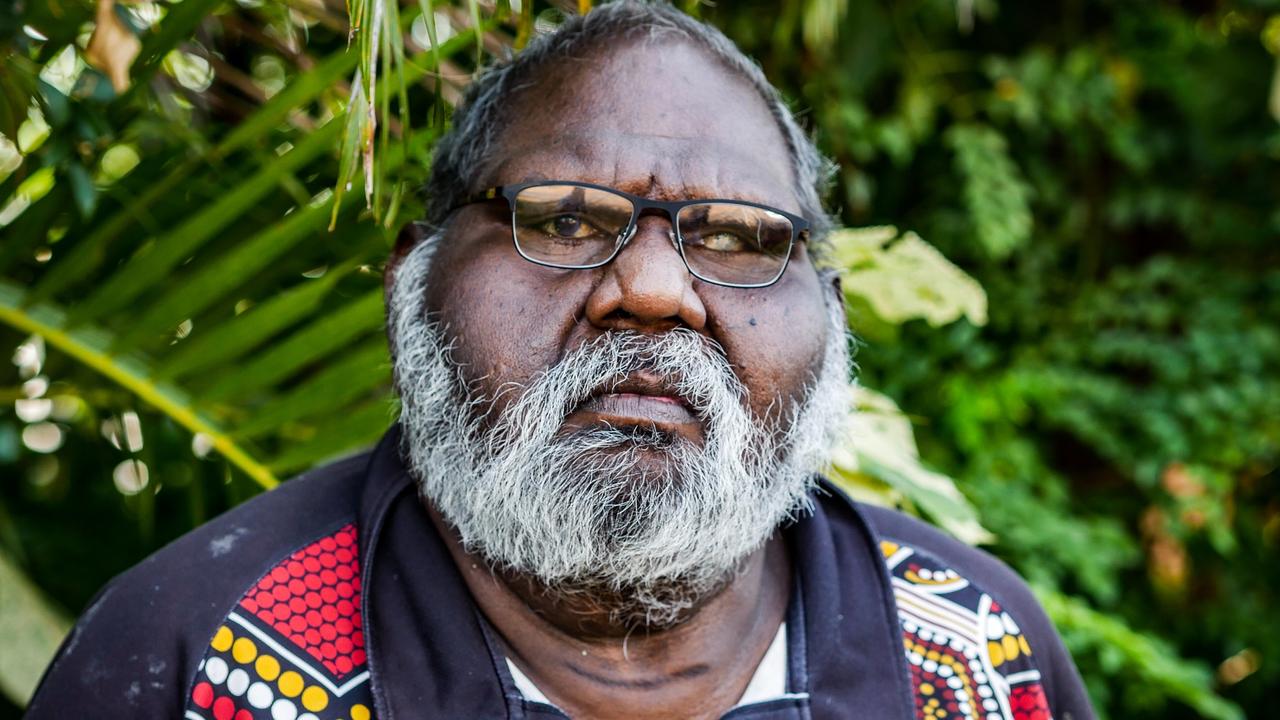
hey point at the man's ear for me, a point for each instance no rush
(411, 233)
(835, 284)
(830, 277)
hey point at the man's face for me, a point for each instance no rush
(628, 431)
(663, 121)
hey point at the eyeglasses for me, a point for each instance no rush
(578, 226)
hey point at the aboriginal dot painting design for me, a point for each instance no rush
(967, 656)
(293, 648)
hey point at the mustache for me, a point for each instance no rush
(680, 363)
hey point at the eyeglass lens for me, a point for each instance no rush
(571, 226)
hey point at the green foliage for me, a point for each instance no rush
(889, 280)
(30, 631)
(1103, 383)
(1150, 667)
(879, 463)
(995, 195)
(186, 332)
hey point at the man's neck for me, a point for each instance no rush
(595, 670)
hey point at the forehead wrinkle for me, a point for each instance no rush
(677, 168)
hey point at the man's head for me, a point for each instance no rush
(627, 432)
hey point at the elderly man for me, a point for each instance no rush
(620, 366)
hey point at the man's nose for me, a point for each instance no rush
(647, 286)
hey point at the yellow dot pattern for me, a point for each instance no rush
(1009, 644)
(996, 652)
(244, 651)
(957, 667)
(268, 667)
(290, 684)
(944, 677)
(315, 698)
(222, 639)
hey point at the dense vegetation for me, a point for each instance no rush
(185, 331)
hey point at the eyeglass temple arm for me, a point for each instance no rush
(481, 196)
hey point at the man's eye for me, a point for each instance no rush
(568, 226)
(723, 242)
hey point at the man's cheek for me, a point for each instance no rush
(777, 367)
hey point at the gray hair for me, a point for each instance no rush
(463, 152)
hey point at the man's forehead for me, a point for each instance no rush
(663, 118)
(657, 166)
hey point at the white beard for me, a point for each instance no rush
(574, 510)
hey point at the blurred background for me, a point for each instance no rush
(1061, 258)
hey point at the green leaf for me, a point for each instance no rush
(903, 278)
(178, 25)
(996, 196)
(352, 141)
(298, 93)
(31, 629)
(231, 270)
(151, 262)
(89, 252)
(29, 231)
(340, 383)
(82, 189)
(1149, 658)
(90, 346)
(17, 93)
(236, 337)
(878, 443)
(306, 346)
(350, 430)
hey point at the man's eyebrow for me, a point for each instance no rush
(561, 149)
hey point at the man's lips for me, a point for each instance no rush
(638, 400)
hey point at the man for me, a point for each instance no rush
(620, 366)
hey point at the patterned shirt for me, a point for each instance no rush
(333, 597)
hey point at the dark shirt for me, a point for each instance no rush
(333, 596)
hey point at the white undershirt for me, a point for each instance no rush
(768, 683)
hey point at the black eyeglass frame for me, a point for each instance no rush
(799, 225)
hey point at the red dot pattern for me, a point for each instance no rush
(1028, 702)
(202, 695)
(224, 708)
(313, 598)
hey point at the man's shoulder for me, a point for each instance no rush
(897, 531)
(974, 632)
(251, 537)
(143, 638)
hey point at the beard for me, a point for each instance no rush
(637, 522)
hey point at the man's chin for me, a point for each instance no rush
(642, 455)
(604, 610)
